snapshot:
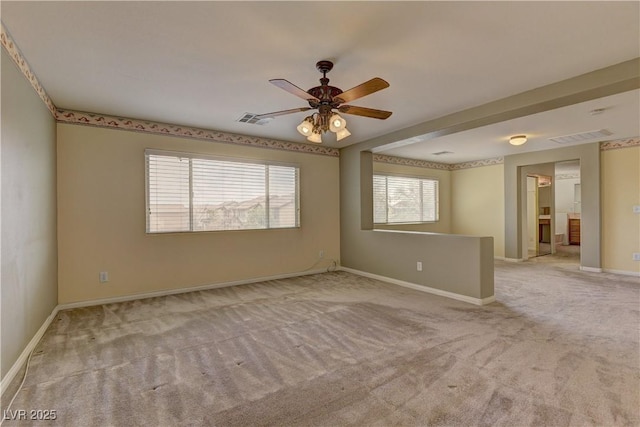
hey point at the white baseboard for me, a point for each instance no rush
(22, 359)
(582, 268)
(17, 366)
(166, 292)
(622, 272)
(439, 292)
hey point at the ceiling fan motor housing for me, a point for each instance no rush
(324, 93)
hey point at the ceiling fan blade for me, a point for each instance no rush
(291, 88)
(282, 113)
(366, 112)
(366, 88)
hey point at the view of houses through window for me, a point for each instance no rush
(190, 193)
(401, 199)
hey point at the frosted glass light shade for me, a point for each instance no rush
(306, 127)
(342, 133)
(336, 123)
(315, 137)
(518, 139)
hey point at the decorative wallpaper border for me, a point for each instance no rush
(477, 163)
(381, 158)
(620, 143)
(114, 122)
(568, 176)
(15, 54)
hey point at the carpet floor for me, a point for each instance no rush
(560, 347)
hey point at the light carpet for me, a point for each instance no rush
(560, 347)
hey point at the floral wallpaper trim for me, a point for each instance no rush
(13, 51)
(568, 176)
(114, 122)
(477, 163)
(620, 143)
(381, 158)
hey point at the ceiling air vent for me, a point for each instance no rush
(253, 120)
(440, 153)
(580, 137)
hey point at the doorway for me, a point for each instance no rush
(568, 208)
(540, 238)
(516, 169)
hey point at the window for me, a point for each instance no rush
(197, 193)
(398, 199)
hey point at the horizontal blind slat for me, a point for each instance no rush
(226, 195)
(168, 194)
(398, 199)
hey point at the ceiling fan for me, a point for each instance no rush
(326, 99)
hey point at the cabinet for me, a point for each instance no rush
(574, 231)
(544, 230)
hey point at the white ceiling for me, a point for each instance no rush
(571, 167)
(621, 117)
(205, 64)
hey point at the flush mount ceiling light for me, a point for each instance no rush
(518, 139)
(326, 99)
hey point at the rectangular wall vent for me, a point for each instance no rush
(580, 137)
(253, 120)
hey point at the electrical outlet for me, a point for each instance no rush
(636, 256)
(419, 266)
(104, 276)
(321, 253)
(636, 209)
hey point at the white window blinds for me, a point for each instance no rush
(192, 193)
(398, 199)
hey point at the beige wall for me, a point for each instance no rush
(471, 201)
(394, 254)
(620, 192)
(444, 188)
(516, 168)
(101, 220)
(477, 203)
(29, 258)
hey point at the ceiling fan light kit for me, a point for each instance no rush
(315, 137)
(342, 133)
(326, 99)
(314, 125)
(518, 139)
(306, 127)
(336, 123)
